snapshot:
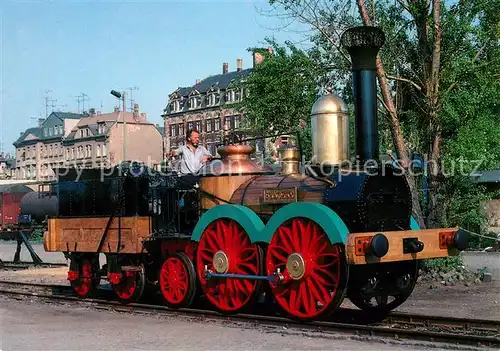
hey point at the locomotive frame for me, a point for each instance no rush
(240, 231)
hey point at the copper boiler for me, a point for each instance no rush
(221, 177)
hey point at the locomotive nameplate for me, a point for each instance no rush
(280, 196)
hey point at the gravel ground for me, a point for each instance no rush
(37, 325)
(7, 252)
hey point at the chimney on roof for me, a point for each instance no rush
(258, 57)
(92, 111)
(198, 81)
(117, 109)
(136, 111)
(143, 116)
(224, 67)
(40, 121)
(239, 65)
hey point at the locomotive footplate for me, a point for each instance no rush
(392, 246)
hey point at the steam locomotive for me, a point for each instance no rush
(304, 238)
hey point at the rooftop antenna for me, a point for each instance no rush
(83, 101)
(52, 104)
(65, 106)
(131, 100)
(47, 98)
(78, 99)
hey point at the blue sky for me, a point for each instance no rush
(91, 47)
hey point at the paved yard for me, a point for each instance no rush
(32, 325)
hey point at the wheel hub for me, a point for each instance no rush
(296, 266)
(221, 262)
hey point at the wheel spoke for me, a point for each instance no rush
(177, 280)
(302, 250)
(235, 254)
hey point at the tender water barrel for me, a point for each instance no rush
(39, 206)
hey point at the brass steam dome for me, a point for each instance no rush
(330, 103)
(330, 130)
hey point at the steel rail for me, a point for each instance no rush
(387, 329)
(26, 265)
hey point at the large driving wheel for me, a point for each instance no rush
(314, 272)
(225, 247)
(178, 281)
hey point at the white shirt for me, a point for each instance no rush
(191, 161)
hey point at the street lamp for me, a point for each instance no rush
(121, 96)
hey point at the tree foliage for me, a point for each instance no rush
(439, 83)
(281, 91)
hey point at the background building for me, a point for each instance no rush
(90, 140)
(7, 166)
(207, 106)
(40, 148)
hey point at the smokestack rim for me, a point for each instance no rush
(363, 44)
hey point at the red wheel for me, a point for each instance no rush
(178, 281)
(128, 285)
(314, 271)
(82, 276)
(224, 247)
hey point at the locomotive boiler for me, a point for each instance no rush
(305, 237)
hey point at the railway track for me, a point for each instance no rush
(398, 326)
(7, 265)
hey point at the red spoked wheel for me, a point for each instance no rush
(178, 281)
(224, 247)
(129, 284)
(82, 276)
(314, 272)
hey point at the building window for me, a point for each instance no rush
(236, 122)
(104, 150)
(230, 96)
(190, 125)
(209, 125)
(198, 126)
(194, 102)
(173, 130)
(176, 106)
(181, 129)
(217, 124)
(98, 150)
(101, 128)
(212, 99)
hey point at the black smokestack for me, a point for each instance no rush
(363, 44)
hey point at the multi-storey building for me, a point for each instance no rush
(40, 147)
(92, 140)
(7, 166)
(207, 106)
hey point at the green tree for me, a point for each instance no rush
(280, 93)
(436, 56)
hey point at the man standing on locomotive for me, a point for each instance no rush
(193, 155)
